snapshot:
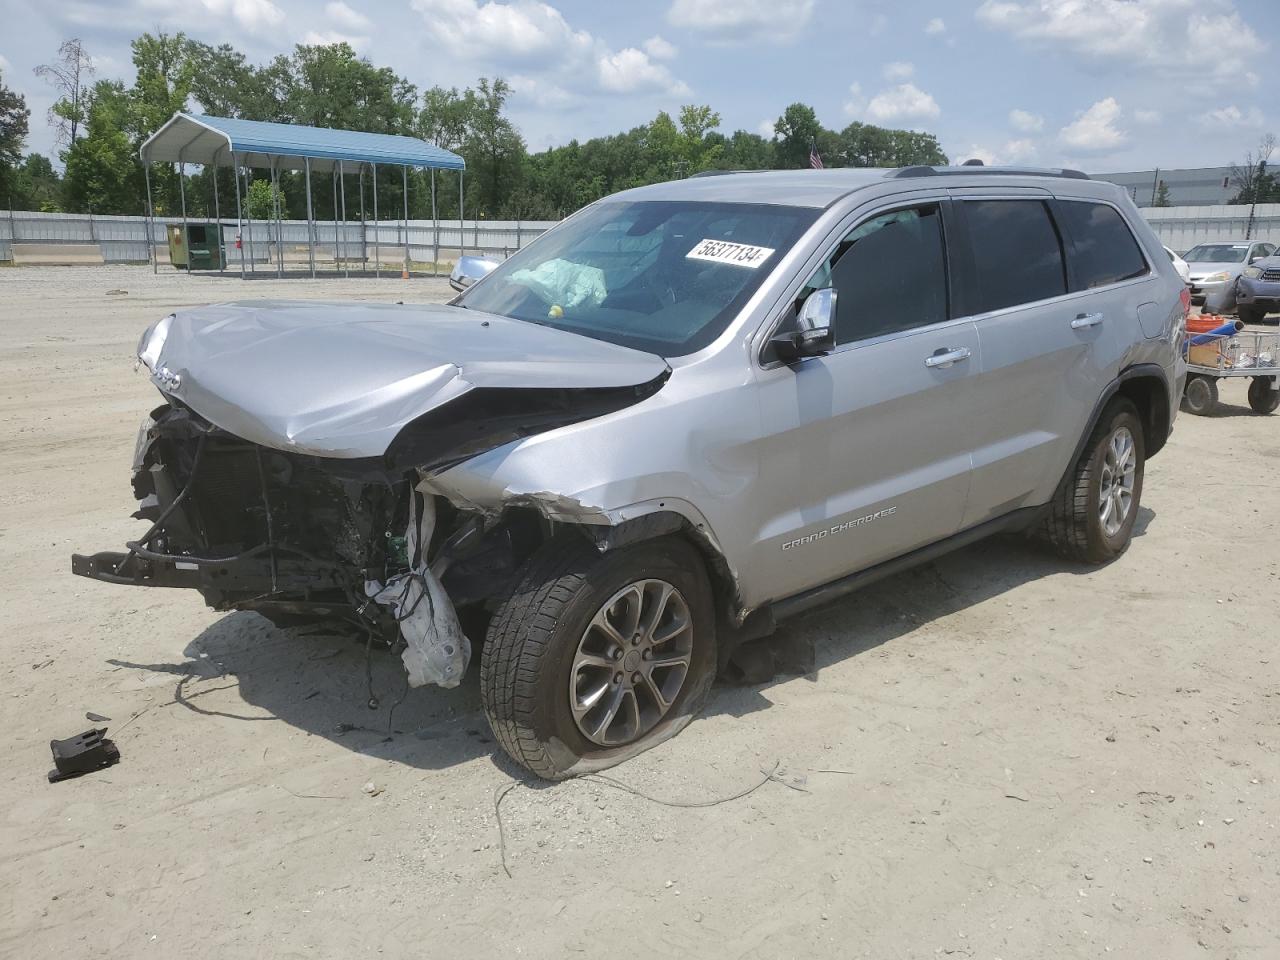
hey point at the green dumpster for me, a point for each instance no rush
(199, 249)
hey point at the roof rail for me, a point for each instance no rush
(716, 173)
(905, 173)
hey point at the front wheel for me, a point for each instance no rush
(1263, 396)
(595, 657)
(1251, 315)
(1092, 515)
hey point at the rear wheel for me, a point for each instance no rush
(1262, 397)
(1092, 515)
(1200, 395)
(597, 657)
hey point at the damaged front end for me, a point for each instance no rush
(293, 537)
(287, 471)
(362, 542)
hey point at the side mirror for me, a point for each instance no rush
(815, 333)
(470, 269)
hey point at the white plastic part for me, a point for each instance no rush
(437, 651)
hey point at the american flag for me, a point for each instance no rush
(815, 161)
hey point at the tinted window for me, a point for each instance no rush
(662, 276)
(1217, 253)
(1016, 253)
(889, 273)
(1103, 249)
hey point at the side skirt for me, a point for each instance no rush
(1019, 519)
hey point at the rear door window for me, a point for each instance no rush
(1017, 254)
(1103, 248)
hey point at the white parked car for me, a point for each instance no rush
(1184, 270)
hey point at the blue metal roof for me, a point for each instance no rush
(204, 140)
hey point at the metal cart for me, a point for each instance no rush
(1239, 354)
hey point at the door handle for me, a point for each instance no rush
(946, 356)
(1083, 320)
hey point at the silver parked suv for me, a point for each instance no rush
(685, 413)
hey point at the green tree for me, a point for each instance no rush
(866, 145)
(698, 149)
(1162, 195)
(14, 116)
(102, 172)
(261, 203)
(796, 132)
(37, 185)
(493, 149)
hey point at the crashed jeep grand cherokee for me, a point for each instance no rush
(686, 412)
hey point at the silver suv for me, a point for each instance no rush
(686, 413)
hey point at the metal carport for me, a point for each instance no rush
(244, 145)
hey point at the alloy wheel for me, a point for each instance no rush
(631, 663)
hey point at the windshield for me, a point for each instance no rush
(1217, 253)
(660, 276)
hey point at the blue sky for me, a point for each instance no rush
(1105, 85)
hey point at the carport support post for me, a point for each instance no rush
(235, 175)
(404, 189)
(151, 218)
(346, 256)
(275, 205)
(364, 228)
(377, 253)
(311, 246)
(247, 244)
(217, 214)
(182, 192)
(462, 227)
(435, 229)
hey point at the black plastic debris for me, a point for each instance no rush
(82, 754)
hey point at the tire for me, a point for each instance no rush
(1074, 525)
(1252, 314)
(1261, 397)
(1200, 395)
(527, 669)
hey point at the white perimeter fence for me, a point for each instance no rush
(124, 239)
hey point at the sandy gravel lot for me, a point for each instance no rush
(998, 755)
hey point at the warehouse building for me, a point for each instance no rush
(1196, 187)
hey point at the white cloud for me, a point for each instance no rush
(766, 129)
(342, 16)
(534, 41)
(976, 152)
(1095, 130)
(1025, 121)
(630, 70)
(1233, 116)
(1147, 117)
(877, 25)
(249, 14)
(856, 103)
(903, 102)
(524, 29)
(327, 38)
(5, 66)
(935, 26)
(1008, 153)
(659, 48)
(741, 20)
(899, 70)
(1167, 34)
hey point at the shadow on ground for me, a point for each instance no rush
(319, 683)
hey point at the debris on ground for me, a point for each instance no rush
(81, 754)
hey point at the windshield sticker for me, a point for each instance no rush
(722, 251)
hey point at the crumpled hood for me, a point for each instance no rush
(342, 379)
